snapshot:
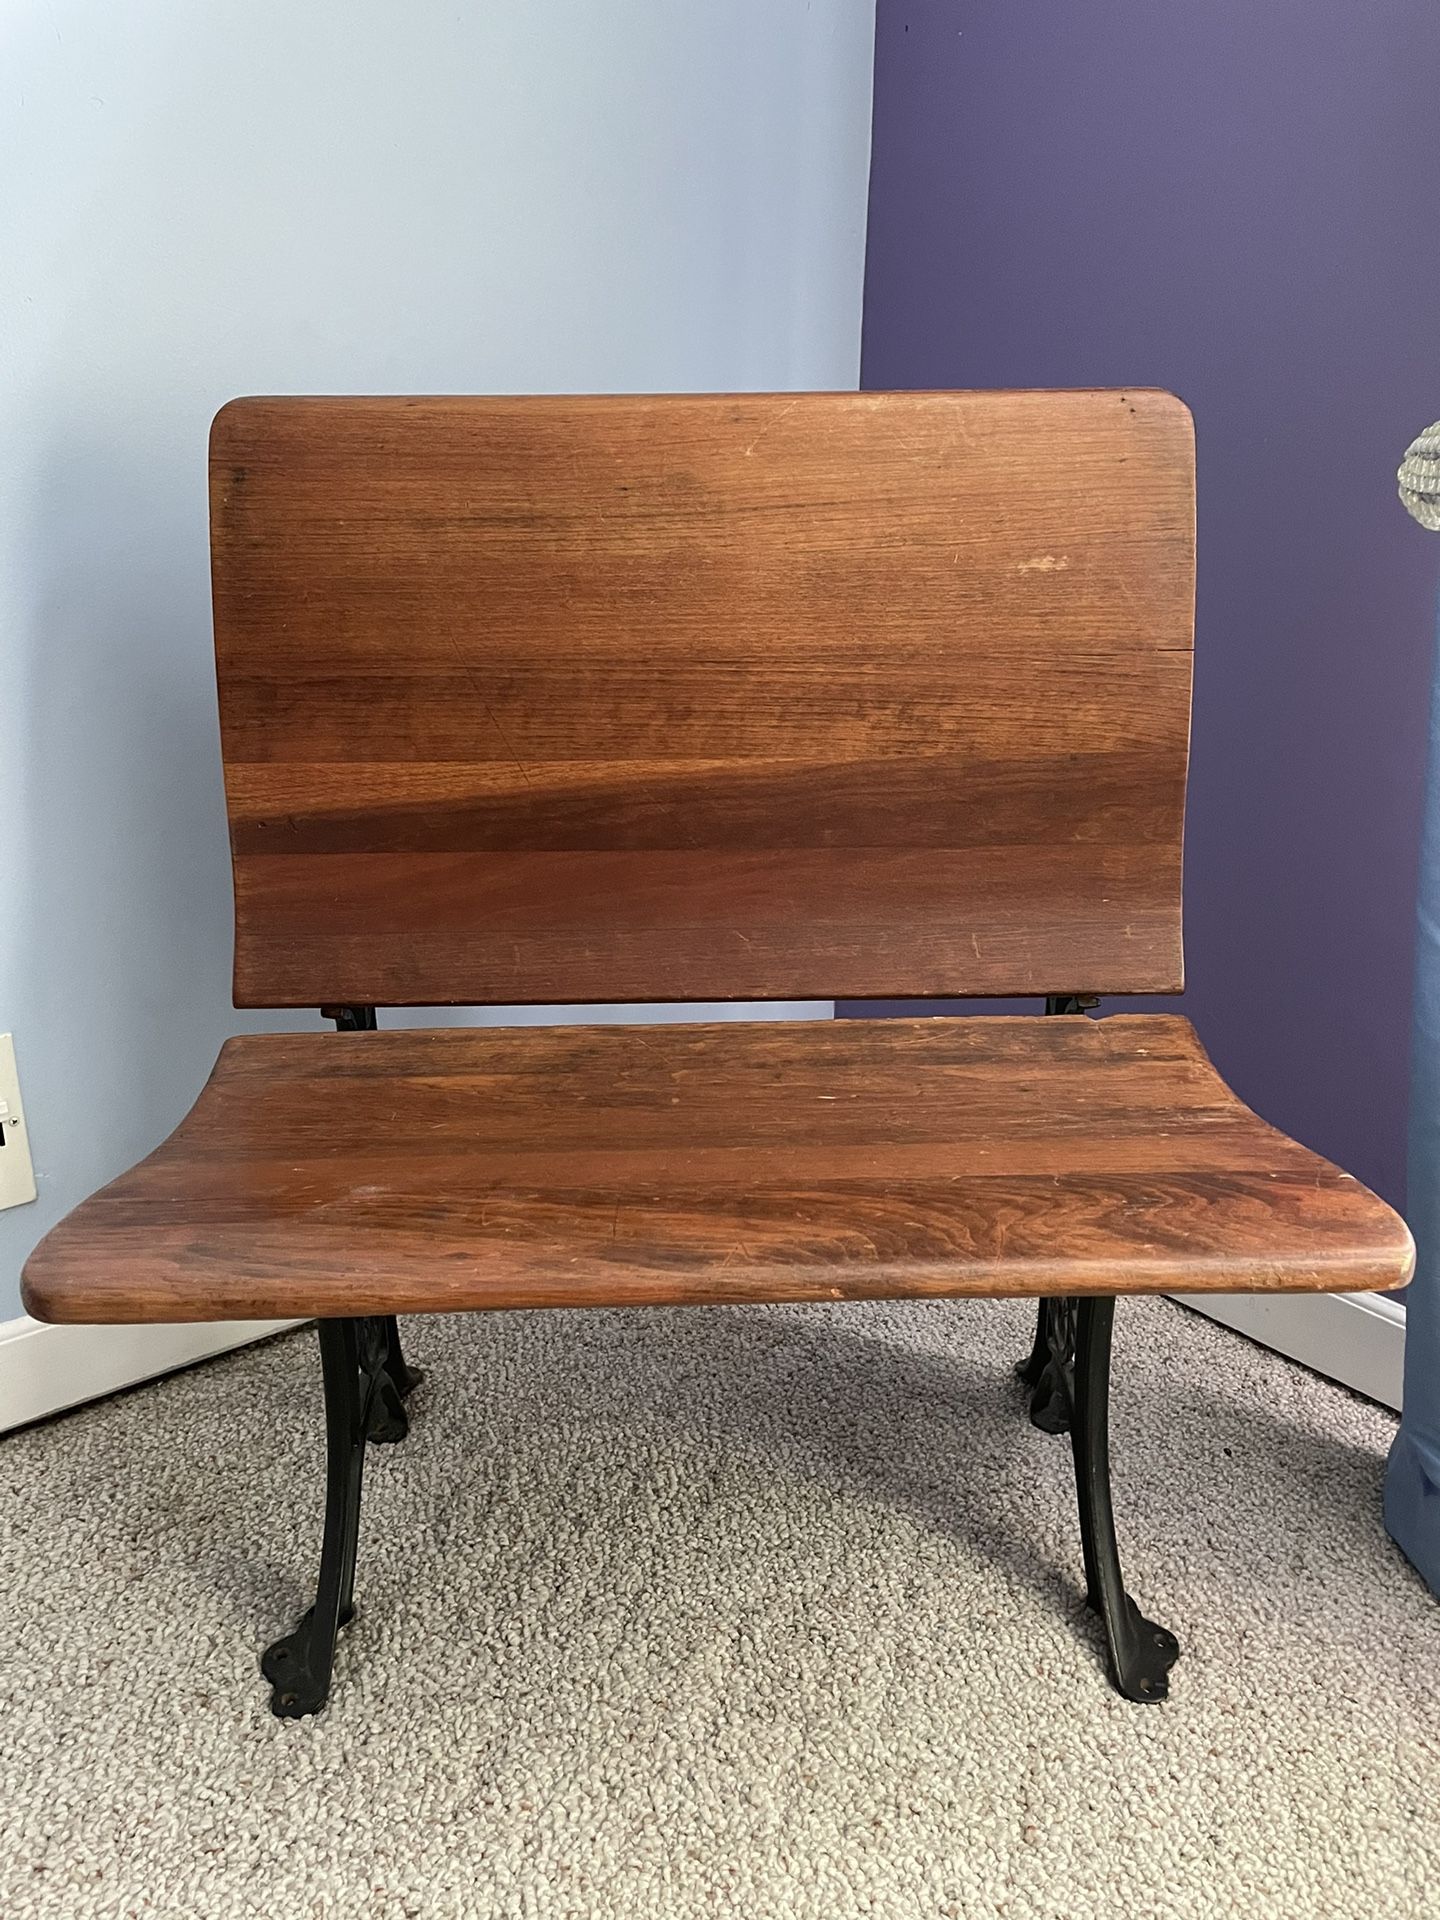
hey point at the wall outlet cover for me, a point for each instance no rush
(17, 1174)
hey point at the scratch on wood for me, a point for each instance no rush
(488, 710)
(773, 422)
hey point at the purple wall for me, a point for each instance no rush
(1239, 200)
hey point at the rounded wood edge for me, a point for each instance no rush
(44, 1294)
(636, 1288)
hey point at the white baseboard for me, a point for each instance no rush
(1355, 1338)
(45, 1369)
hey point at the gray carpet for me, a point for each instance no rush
(740, 1612)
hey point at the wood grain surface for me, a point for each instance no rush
(585, 1166)
(667, 698)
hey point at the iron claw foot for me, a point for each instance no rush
(298, 1668)
(1141, 1653)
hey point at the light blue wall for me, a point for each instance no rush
(386, 195)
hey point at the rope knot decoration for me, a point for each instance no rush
(1420, 478)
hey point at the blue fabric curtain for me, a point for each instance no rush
(1412, 1483)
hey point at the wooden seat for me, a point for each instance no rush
(681, 698)
(421, 1172)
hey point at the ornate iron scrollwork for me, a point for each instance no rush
(1050, 1369)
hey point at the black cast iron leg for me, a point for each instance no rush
(1050, 1369)
(406, 1378)
(1141, 1653)
(298, 1666)
(1031, 1369)
(394, 1383)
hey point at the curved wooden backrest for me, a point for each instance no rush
(676, 698)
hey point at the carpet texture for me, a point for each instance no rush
(731, 1612)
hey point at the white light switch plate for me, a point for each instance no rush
(17, 1175)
